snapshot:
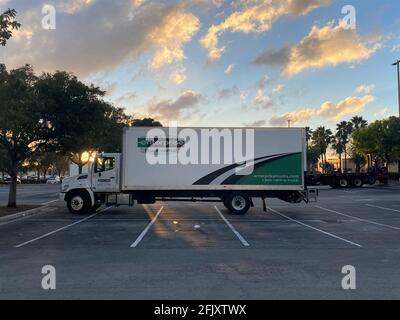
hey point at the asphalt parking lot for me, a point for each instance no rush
(199, 251)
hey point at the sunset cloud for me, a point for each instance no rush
(365, 89)
(73, 6)
(102, 36)
(328, 110)
(185, 105)
(229, 69)
(168, 38)
(255, 16)
(326, 46)
(178, 76)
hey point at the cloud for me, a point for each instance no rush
(328, 110)
(229, 69)
(185, 105)
(262, 100)
(294, 117)
(257, 123)
(255, 16)
(279, 88)
(350, 105)
(178, 76)
(381, 113)
(229, 92)
(126, 99)
(102, 36)
(365, 89)
(176, 29)
(73, 6)
(326, 46)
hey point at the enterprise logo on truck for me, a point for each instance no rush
(145, 143)
(189, 146)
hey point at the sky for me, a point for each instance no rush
(219, 63)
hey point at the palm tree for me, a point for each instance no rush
(343, 132)
(339, 149)
(322, 138)
(358, 122)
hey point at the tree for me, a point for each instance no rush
(4, 162)
(322, 138)
(24, 128)
(7, 25)
(343, 132)
(312, 157)
(337, 145)
(380, 139)
(146, 122)
(359, 160)
(358, 122)
(82, 121)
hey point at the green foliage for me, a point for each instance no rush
(146, 122)
(381, 139)
(7, 25)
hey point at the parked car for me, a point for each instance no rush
(53, 180)
(7, 180)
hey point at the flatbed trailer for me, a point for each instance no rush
(349, 180)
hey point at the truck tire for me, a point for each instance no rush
(79, 203)
(358, 183)
(238, 203)
(371, 180)
(343, 183)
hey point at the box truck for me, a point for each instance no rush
(230, 165)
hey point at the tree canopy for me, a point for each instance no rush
(53, 113)
(8, 25)
(380, 139)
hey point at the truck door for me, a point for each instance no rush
(105, 174)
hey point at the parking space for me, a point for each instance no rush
(198, 250)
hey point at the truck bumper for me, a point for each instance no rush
(61, 196)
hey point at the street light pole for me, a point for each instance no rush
(397, 63)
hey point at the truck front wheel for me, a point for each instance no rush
(238, 203)
(79, 203)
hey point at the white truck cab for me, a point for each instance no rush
(86, 192)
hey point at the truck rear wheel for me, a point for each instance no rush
(358, 183)
(238, 203)
(343, 183)
(371, 180)
(79, 203)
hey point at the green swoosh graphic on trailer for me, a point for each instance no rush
(285, 170)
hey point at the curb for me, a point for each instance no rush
(24, 214)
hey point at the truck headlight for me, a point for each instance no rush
(65, 187)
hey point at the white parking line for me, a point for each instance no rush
(316, 229)
(49, 202)
(357, 218)
(240, 237)
(60, 229)
(383, 208)
(141, 236)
